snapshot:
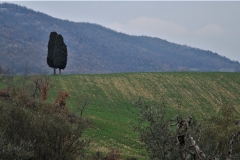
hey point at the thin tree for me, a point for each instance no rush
(60, 53)
(51, 45)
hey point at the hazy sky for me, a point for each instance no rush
(206, 25)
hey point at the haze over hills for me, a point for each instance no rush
(92, 48)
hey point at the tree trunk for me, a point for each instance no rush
(54, 70)
(59, 71)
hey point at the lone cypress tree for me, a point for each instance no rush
(60, 53)
(51, 44)
(57, 52)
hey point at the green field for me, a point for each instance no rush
(110, 95)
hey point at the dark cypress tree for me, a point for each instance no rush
(51, 44)
(60, 53)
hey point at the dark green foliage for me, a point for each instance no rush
(57, 52)
(60, 53)
(1, 70)
(51, 44)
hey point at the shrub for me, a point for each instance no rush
(180, 138)
(34, 129)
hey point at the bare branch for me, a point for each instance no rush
(231, 144)
(200, 154)
(182, 132)
(83, 107)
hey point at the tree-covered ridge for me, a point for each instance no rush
(93, 48)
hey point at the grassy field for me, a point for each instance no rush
(110, 95)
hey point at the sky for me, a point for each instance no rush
(213, 26)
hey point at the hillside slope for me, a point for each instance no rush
(110, 96)
(24, 35)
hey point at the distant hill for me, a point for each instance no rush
(92, 48)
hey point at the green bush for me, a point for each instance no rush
(39, 130)
(217, 131)
(178, 138)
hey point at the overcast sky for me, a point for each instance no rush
(206, 25)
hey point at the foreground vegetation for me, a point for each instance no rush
(107, 100)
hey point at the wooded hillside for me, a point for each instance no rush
(92, 48)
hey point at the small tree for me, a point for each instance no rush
(60, 53)
(51, 45)
(185, 138)
(154, 131)
(217, 131)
